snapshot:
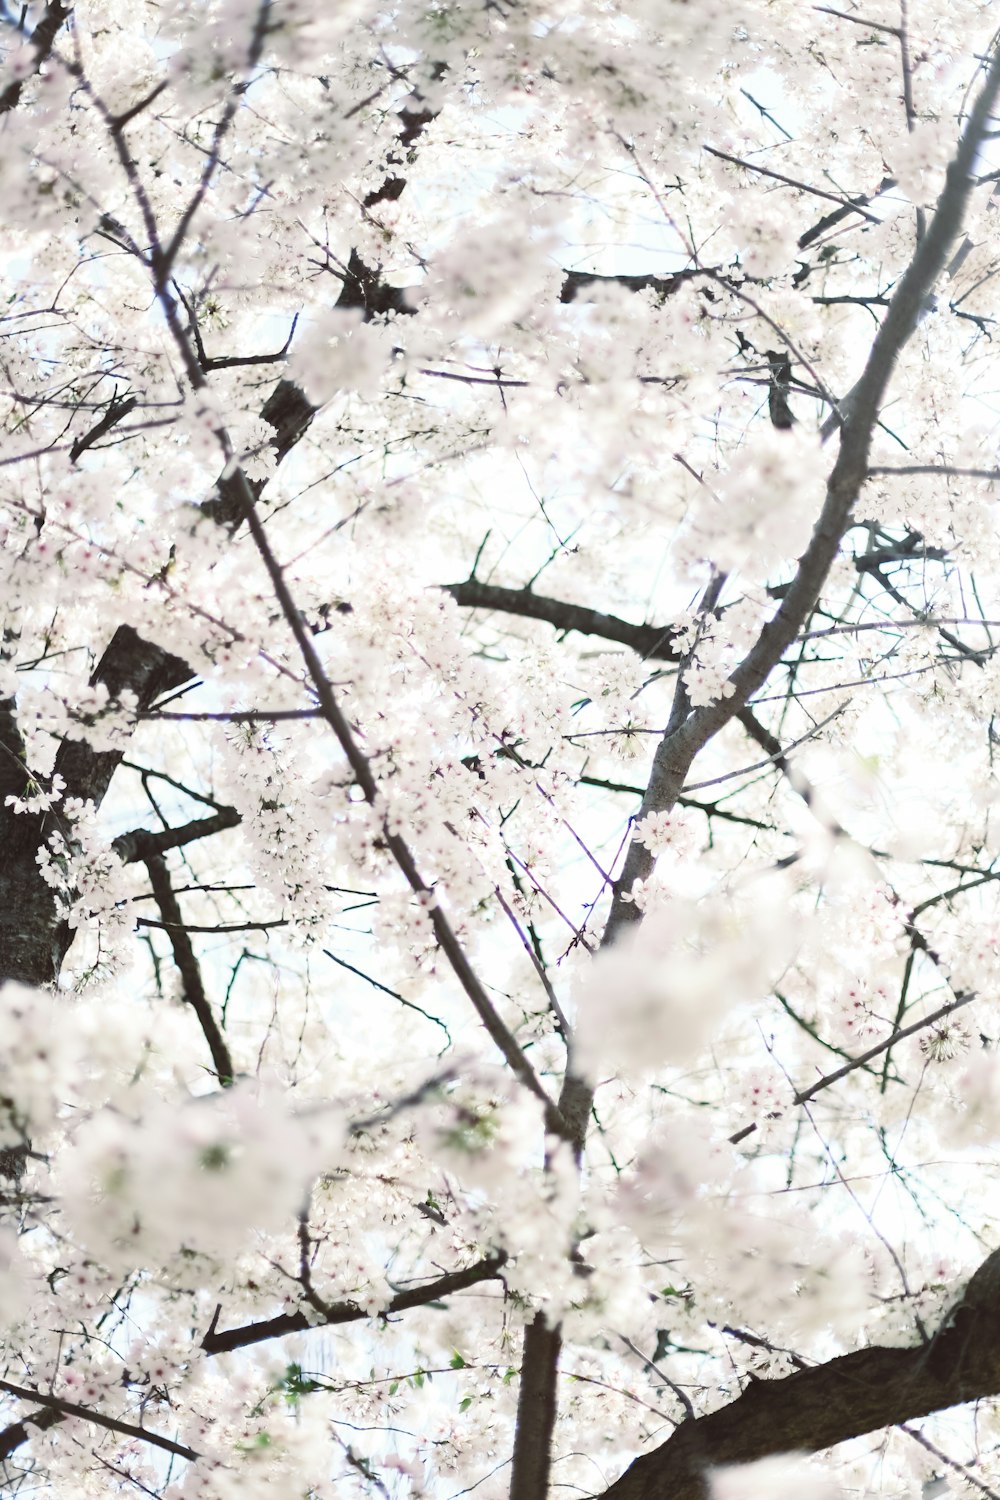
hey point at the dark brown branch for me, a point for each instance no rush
(117, 411)
(62, 1408)
(777, 389)
(33, 940)
(349, 1312)
(842, 15)
(536, 1410)
(575, 281)
(497, 1029)
(233, 361)
(162, 257)
(129, 664)
(393, 994)
(963, 998)
(688, 731)
(216, 929)
(650, 641)
(239, 716)
(187, 964)
(852, 205)
(43, 40)
(119, 122)
(288, 410)
(816, 1408)
(414, 118)
(142, 843)
(289, 413)
(876, 299)
(677, 750)
(18, 1433)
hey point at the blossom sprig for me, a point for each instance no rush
(36, 797)
(662, 831)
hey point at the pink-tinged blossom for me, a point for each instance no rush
(38, 1061)
(918, 160)
(198, 1179)
(487, 277)
(974, 1116)
(38, 798)
(483, 302)
(763, 507)
(660, 832)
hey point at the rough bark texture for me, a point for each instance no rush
(646, 640)
(536, 1411)
(33, 942)
(813, 1409)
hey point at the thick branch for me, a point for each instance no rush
(17, 1434)
(574, 282)
(117, 411)
(688, 732)
(536, 1410)
(652, 642)
(129, 664)
(647, 640)
(831, 1403)
(43, 40)
(141, 843)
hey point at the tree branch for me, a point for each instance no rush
(17, 1434)
(690, 730)
(676, 751)
(61, 1409)
(487, 1269)
(536, 1410)
(187, 964)
(847, 206)
(143, 843)
(646, 640)
(815, 1408)
(43, 40)
(497, 1029)
(117, 411)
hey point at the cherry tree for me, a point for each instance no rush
(498, 900)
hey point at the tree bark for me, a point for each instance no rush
(536, 1411)
(814, 1409)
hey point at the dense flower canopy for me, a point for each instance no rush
(499, 926)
